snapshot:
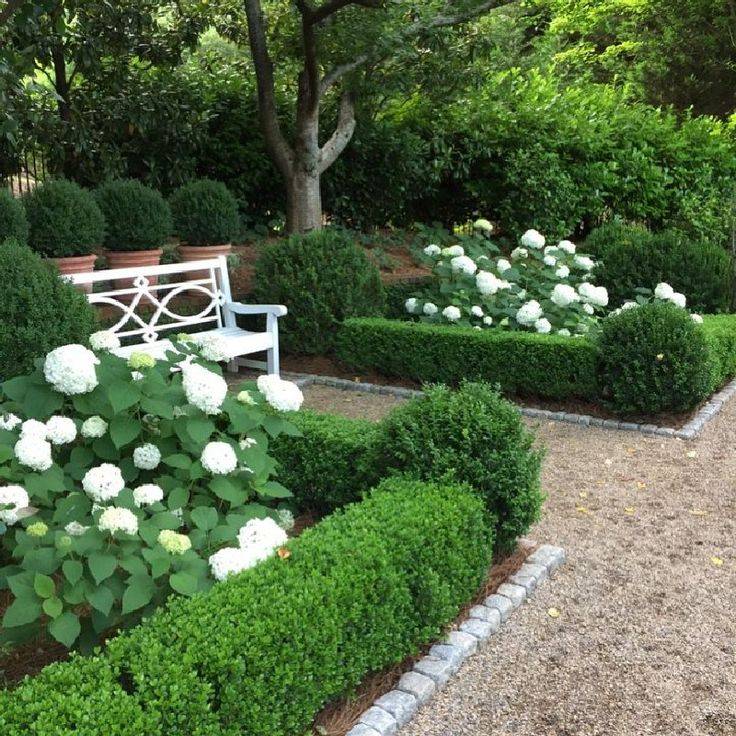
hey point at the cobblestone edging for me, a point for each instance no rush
(688, 432)
(396, 708)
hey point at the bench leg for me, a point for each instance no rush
(272, 361)
(233, 366)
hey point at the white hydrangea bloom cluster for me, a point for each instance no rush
(286, 519)
(213, 347)
(34, 452)
(453, 251)
(595, 295)
(75, 529)
(666, 293)
(463, 264)
(219, 458)
(488, 283)
(432, 250)
(9, 421)
(584, 262)
(543, 326)
(411, 305)
(282, 395)
(518, 253)
(32, 428)
(104, 340)
(94, 427)
(529, 312)
(146, 457)
(147, 494)
(483, 226)
(12, 500)
(173, 542)
(103, 482)
(563, 295)
(430, 309)
(61, 430)
(533, 239)
(116, 519)
(70, 369)
(203, 388)
(451, 313)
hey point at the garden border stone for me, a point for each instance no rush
(396, 708)
(689, 431)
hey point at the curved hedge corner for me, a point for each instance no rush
(263, 652)
(520, 362)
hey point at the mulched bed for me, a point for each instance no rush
(339, 717)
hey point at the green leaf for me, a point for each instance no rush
(204, 518)
(101, 566)
(178, 498)
(124, 429)
(101, 599)
(122, 395)
(183, 583)
(20, 612)
(200, 429)
(16, 388)
(227, 490)
(134, 565)
(53, 607)
(65, 628)
(72, 570)
(43, 585)
(273, 489)
(138, 593)
(183, 462)
(157, 407)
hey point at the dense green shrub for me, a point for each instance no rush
(204, 212)
(473, 436)
(720, 333)
(38, 311)
(13, 222)
(615, 233)
(521, 362)
(323, 278)
(331, 463)
(633, 257)
(262, 652)
(138, 217)
(654, 358)
(397, 294)
(64, 220)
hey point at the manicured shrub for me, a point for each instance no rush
(397, 294)
(204, 212)
(38, 311)
(720, 333)
(263, 652)
(331, 463)
(13, 222)
(64, 220)
(323, 278)
(520, 362)
(137, 216)
(473, 436)
(654, 358)
(632, 258)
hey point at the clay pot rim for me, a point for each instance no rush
(152, 251)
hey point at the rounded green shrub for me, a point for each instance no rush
(474, 436)
(204, 212)
(64, 220)
(38, 311)
(323, 278)
(13, 222)
(653, 358)
(138, 217)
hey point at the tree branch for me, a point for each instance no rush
(267, 111)
(8, 9)
(343, 133)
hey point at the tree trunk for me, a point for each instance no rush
(303, 202)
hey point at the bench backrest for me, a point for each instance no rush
(146, 308)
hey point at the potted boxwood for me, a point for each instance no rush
(65, 225)
(138, 223)
(206, 219)
(13, 222)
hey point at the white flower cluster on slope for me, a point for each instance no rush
(529, 313)
(203, 388)
(451, 314)
(533, 239)
(488, 283)
(665, 292)
(146, 457)
(463, 264)
(147, 494)
(103, 482)
(564, 295)
(258, 539)
(94, 427)
(173, 542)
(596, 295)
(115, 519)
(219, 458)
(104, 340)
(282, 395)
(70, 369)
(16, 498)
(9, 421)
(61, 430)
(213, 347)
(34, 452)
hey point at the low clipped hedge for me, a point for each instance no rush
(520, 362)
(264, 651)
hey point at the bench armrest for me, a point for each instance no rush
(277, 310)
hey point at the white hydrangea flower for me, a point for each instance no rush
(430, 309)
(476, 311)
(230, 561)
(567, 246)
(146, 457)
(282, 395)
(9, 421)
(463, 264)
(137, 375)
(589, 309)
(219, 458)
(487, 320)
(529, 313)
(453, 251)
(550, 261)
(483, 226)
(75, 529)
(562, 272)
(17, 498)
(543, 326)
(103, 482)
(502, 264)
(596, 295)
(584, 262)
(94, 427)
(104, 340)
(678, 299)
(32, 428)
(34, 453)
(247, 442)
(451, 313)
(410, 305)
(213, 347)
(147, 494)
(203, 388)
(173, 542)
(115, 519)
(488, 284)
(70, 369)
(564, 332)
(533, 239)
(697, 319)
(286, 519)
(663, 291)
(61, 430)
(629, 305)
(521, 295)
(433, 250)
(564, 295)
(262, 536)
(517, 253)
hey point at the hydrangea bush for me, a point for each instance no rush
(538, 287)
(123, 482)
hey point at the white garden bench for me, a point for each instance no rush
(214, 308)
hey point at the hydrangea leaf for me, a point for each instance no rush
(183, 583)
(124, 429)
(53, 607)
(225, 489)
(65, 628)
(138, 593)
(43, 585)
(204, 518)
(200, 429)
(21, 611)
(179, 461)
(72, 570)
(101, 566)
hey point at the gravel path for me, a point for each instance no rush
(645, 638)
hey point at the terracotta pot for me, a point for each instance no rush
(76, 264)
(132, 259)
(189, 253)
